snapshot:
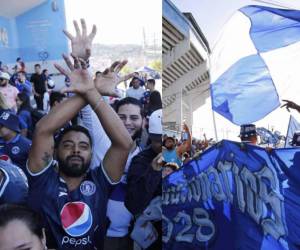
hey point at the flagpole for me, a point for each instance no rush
(215, 126)
(287, 132)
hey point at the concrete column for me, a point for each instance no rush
(178, 104)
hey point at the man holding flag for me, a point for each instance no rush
(290, 105)
(293, 133)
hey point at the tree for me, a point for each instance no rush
(127, 70)
(156, 65)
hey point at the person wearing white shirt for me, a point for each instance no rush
(136, 90)
(117, 236)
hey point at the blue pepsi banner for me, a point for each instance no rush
(234, 196)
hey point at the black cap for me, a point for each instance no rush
(247, 130)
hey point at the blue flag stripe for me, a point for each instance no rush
(272, 28)
(240, 93)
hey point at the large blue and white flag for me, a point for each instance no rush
(294, 126)
(255, 61)
(234, 196)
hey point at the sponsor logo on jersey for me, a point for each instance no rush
(62, 194)
(5, 158)
(87, 188)
(76, 218)
(75, 241)
(15, 150)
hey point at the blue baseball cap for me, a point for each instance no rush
(9, 120)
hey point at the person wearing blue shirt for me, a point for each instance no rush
(12, 143)
(13, 184)
(22, 84)
(24, 113)
(71, 197)
(172, 152)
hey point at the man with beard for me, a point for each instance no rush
(172, 152)
(144, 183)
(71, 197)
(10, 92)
(130, 112)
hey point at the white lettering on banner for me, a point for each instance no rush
(181, 236)
(200, 219)
(251, 193)
(170, 226)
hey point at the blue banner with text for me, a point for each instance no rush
(234, 196)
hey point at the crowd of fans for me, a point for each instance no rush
(82, 171)
(76, 171)
(177, 152)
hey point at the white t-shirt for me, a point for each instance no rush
(46, 104)
(117, 213)
(135, 93)
(101, 142)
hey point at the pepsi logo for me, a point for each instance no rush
(5, 158)
(76, 218)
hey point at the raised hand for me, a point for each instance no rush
(107, 82)
(81, 43)
(80, 79)
(185, 127)
(290, 104)
(157, 162)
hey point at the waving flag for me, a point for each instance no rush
(267, 137)
(292, 128)
(234, 196)
(254, 62)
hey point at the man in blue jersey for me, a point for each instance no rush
(12, 143)
(13, 184)
(71, 197)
